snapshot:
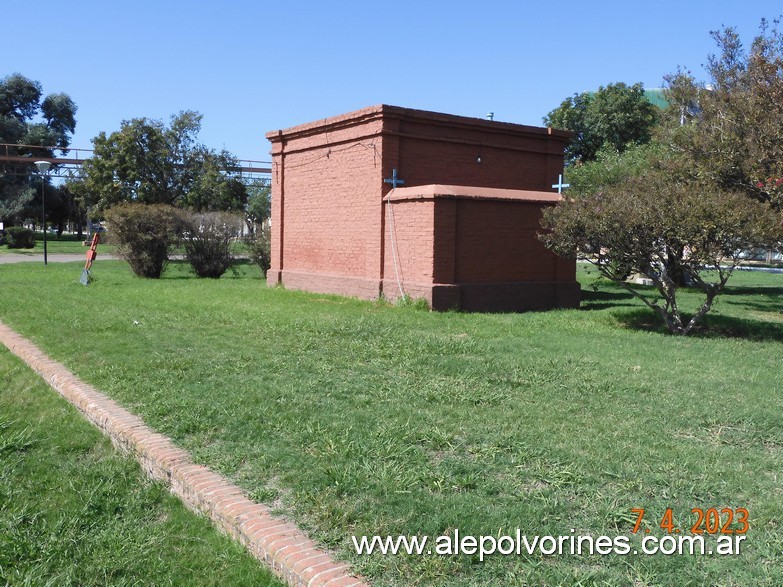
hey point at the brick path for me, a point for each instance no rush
(278, 543)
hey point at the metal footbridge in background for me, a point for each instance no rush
(69, 164)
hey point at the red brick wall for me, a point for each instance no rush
(467, 240)
(425, 162)
(332, 223)
(487, 249)
(326, 204)
(436, 148)
(329, 230)
(413, 224)
(496, 241)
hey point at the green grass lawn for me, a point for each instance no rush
(70, 244)
(360, 418)
(74, 512)
(66, 243)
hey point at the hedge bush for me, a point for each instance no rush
(18, 237)
(208, 237)
(144, 234)
(258, 245)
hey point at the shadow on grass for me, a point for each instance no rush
(772, 300)
(752, 291)
(712, 326)
(601, 299)
(181, 269)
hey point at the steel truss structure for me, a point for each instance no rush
(69, 164)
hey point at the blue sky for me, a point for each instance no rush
(251, 67)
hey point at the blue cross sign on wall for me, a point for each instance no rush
(560, 185)
(393, 180)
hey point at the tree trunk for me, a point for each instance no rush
(674, 266)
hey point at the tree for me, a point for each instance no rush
(13, 199)
(662, 226)
(20, 103)
(34, 128)
(612, 167)
(731, 128)
(259, 203)
(151, 163)
(710, 189)
(212, 189)
(616, 115)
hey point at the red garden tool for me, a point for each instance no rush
(91, 254)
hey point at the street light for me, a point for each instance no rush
(43, 168)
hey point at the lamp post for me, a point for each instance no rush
(43, 168)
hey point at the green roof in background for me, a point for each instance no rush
(655, 96)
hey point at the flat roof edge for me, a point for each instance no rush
(388, 111)
(433, 191)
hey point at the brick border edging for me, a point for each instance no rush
(280, 544)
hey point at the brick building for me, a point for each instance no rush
(460, 231)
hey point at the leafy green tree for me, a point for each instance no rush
(662, 225)
(611, 167)
(731, 129)
(708, 189)
(34, 126)
(14, 198)
(20, 105)
(212, 189)
(149, 162)
(259, 203)
(615, 116)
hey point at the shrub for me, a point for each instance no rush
(18, 237)
(668, 228)
(144, 234)
(208, 238)
(258, 246)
